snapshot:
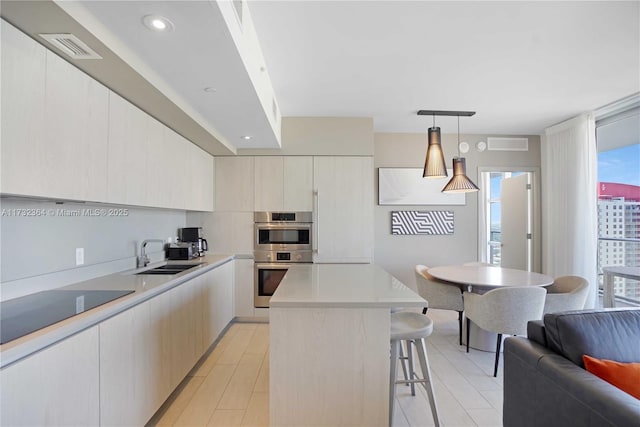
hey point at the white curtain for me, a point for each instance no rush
(569, 201)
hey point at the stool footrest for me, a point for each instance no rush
(420, 380)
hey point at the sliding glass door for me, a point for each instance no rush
(618, 141)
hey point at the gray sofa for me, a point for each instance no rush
(545, 383)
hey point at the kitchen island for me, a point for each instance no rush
(329, 344)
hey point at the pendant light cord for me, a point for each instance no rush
(458, 136)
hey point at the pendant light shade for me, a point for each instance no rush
(459, 183)
(434, 165)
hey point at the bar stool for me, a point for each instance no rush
(403, 358)
(412, 328)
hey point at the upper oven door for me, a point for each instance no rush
(273, 237)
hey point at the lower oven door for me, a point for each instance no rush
(267, 277)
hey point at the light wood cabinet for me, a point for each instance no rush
(54, 124)
(64, 135)
(158, 162)
(130, 130)
(298, 184)
(75, 128)
(218, 285)
(269, 183)
(124, 369)
(56, 386)
(23, 88)
(200, 187)
(283, 183)
(158, 342)
(234, 184)
(176, 164)
(243, 288)
(343, 223)
(183, 316)
(147, 350)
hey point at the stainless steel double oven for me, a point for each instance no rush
(281, 239)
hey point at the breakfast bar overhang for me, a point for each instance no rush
(329, 344)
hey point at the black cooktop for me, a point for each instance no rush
(21, 316)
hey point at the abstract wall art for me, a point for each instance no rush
(421, 222)
(406, 186)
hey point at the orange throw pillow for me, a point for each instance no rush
(625, 376)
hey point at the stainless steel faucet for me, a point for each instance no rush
(143, 259)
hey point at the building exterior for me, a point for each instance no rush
(619, 232)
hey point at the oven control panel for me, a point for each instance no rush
(283, 256)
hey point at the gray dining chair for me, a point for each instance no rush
(439, 294)
(504, 311)
(566, 293)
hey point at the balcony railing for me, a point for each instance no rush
(618, 251)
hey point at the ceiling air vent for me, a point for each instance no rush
(71, 45)
(237, 6)
(508, 144)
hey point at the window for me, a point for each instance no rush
(618, 141)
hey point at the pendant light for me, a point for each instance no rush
(459, 182)
(434, 164)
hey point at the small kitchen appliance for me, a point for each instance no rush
(194, 235)
(182, 251)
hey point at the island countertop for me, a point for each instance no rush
(342, 286)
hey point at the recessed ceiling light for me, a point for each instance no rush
(246, 137)
(157, 23)
(210, 89)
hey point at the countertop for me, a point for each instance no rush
(144, 287)
(342, 286)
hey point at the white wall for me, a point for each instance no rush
(323, 136)
(38, 252)
(232, 232)
(399, 254)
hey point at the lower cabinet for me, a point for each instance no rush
(119, 372)
(146, 351)
(56, 386)
(219, 301)
(243, 288)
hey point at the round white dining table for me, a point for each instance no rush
(484, 278)
(488, 276)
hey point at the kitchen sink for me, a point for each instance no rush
(169, 269)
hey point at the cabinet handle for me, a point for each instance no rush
(316, 225)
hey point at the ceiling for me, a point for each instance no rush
(522, 66)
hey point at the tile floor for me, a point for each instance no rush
(230, 385)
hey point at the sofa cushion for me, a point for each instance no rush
(625, 376)
(612, 334)
(536, 332)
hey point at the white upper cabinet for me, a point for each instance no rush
(298, 184)
(268, 183)
(343, 223)
(234, 184)
(54, 124)
(75, 128)
(158, 161)
(201, 183)
(176, 174)
(283, 183)
(129, 134)
(66, 136)
(23, 86)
